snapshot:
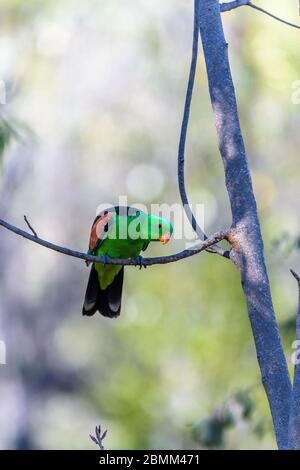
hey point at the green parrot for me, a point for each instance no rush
(118, 232)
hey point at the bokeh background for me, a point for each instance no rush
(94, 98)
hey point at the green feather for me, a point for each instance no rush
(121, 241)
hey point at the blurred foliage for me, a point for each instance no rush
(7, 133)
(101, 85)
(236, 411)
(285, 243)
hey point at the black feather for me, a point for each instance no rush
(105, 301)
(92, 292)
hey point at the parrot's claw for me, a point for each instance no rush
(139, 261)
(106, 259)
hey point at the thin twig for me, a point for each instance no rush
(277, 18)
(124, 262)
(294, 421)
(30, 227)
(182, 142)
(228, 6)
(295, 276)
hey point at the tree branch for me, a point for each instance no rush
(277, 18)
(245, 235)
(228, 6)
(294, 422)
(124, 262)
(30, 227)
(182, 143)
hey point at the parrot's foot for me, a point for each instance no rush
(139, 261)
(106, 259)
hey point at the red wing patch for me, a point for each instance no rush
(98, 229)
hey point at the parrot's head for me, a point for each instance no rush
(147, 227)
(159, 229)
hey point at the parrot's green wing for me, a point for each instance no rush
(105, 298)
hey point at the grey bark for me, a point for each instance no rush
(245, 236)
(294, 423)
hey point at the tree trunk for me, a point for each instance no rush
(245, 234)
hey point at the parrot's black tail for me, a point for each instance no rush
(106, 301)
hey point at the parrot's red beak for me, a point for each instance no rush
(164, 239)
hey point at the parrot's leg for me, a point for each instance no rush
(106, 259)
(139, 260)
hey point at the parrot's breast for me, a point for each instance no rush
(115, 248)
